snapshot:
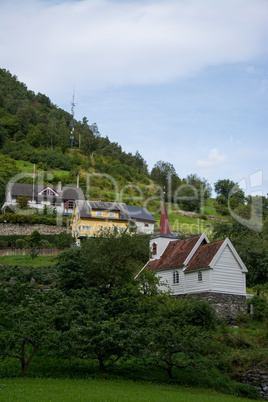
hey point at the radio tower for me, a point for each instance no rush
(72, 122)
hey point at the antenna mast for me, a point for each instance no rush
(72, 122)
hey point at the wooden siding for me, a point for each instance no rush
(191, 281)
(167, 277)
(162, 243)
(227, 276)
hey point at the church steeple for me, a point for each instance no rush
(164, 227)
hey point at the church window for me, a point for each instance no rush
(176, 277)
(154, 248)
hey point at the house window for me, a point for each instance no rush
(38, 201)
(154, 248)
(86, 227)
(53, 203)
(200, 276)
(176, 278)
(146, 225)
(99, 213)
(71, 205)
(111, 214)
(58, 204)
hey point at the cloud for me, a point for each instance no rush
(95, 44)
(213, 159)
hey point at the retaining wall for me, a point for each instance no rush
(9, 229)
(227, 306)
(26, 251)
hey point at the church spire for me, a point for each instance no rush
(164, 227)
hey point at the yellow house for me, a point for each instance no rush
(91, 216)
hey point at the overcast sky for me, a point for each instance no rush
(184, 81)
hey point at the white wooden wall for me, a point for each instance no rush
(191, 281)
(227, 276)
(162, 243)
(167, 277)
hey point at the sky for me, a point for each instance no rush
(183, 81)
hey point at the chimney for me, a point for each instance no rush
(77, 180)
(59, 187)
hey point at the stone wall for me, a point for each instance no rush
(226, 305)
(26, 251)
(258, 378)
(9, 229)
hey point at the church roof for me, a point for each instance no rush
(204, 256)
(174, 255)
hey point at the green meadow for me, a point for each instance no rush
(28, 389)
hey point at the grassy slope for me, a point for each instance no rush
(179, 224)
(27, 389)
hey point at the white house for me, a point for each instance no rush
(58, 197)
(198, 267)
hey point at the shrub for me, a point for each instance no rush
(260, 306)
(3, 243)
(20, 243)
(44, 244)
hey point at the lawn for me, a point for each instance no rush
(28, 389)
(27, 260)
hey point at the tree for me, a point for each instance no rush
(3, 135)
(228, 194)
(140, 163)
(224, 187)
(192, 194)
(27, 321)
(94, 332)
(164, 174)
(23, 202)
(178, 335)
(108, 260)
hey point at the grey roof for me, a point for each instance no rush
(84, 209)
(72, 193)
(140, 213)
(167, 236)
(23, 189)
(105, 206)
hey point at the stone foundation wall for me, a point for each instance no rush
(9, 229)
(258, 378)
(226, 305)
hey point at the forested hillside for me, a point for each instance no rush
(35, 131)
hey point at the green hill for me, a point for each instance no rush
(34, 131)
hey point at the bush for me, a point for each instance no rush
(44, 244)
(3, 243)
(260, 306)
(20, 243)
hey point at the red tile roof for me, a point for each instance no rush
(174, 255)
(204, 256)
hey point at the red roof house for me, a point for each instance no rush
(196, 267)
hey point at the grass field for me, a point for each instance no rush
(28, 389)
(39, 261)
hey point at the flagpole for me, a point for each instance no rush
(33, 181)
